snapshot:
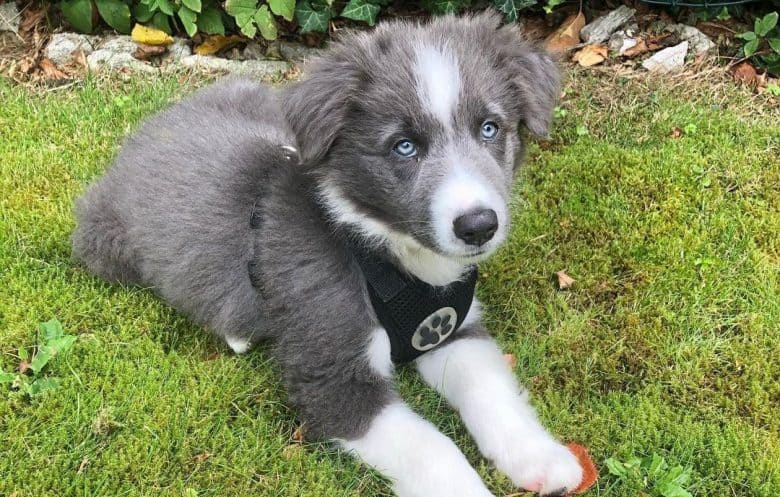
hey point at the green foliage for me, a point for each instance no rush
(52, 341)
(250, 17)
(651, 476)
(762, 45)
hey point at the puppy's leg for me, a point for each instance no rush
(354, 403)
(476, 380)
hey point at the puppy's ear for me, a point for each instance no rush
(317, 106)
(534, 78)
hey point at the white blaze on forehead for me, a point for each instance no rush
(438, 81)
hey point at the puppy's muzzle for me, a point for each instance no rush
(476, 227)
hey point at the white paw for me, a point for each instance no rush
(548, 468)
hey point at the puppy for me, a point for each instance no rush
(342, 219)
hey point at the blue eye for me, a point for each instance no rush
(489, 130)
(405, 148)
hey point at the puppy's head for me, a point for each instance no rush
(412, 131)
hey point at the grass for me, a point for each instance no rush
(668, 343)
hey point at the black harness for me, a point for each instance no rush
(417, 316)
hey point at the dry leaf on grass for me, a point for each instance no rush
(745, 73)
(146, 52)
(567, 36)
(200, 458)
(564, 280)
(298, 434)
(24, 366)
(676, 133)
(589, 472)
(50, 71)
(150, 36)
(83, 466)
(217, 43)
(591, 55)
(31, 18)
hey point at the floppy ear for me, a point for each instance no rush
(534, 77)
(316, 107)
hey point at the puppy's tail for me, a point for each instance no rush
(100, 239)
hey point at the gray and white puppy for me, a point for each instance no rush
(234, 206)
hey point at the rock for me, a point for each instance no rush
(620, 42)
(700, 43)
(109, 59)
(260, 69)
(10, 17)
(118, 44)
(599, 30)
(297, 52)
(62, 46)
(670, 59)
(254, 51)
(179, 49)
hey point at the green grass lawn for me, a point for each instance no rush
(668, 344)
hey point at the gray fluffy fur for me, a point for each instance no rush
(173, 212)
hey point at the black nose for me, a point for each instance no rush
(476, 227)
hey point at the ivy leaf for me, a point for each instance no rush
(747, 36)
(78, 13)
(283, 8)
(512, 8)
(210, 21)
(751, 47)
(310, 19)
(193, 5)
(116, 13)
(266, 23)
(142, 12)
(361, 10)
(765, 25)
(446, 6)
(188, 20)
(162, 22)
(244, 13)
(163, 6)
(774, 44)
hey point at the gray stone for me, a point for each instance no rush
(599, 30)
(62, 46)
(119, 44)
(620, 41)
(297, 52)
(260, 69)
(10, 17)
(254, 51)
(700, 43)
(179, 49)
(670, 59)
(109, 59)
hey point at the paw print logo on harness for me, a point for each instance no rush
(435, 329)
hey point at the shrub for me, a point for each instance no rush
(248, 17)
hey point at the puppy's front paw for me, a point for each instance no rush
(548, 468)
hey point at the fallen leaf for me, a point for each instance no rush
(31, 18)
(676, 132)
(150, 36)
(217, 43)
(24, 366)
(638, 49)
(298, 434)
(662, 41)
(589, 472)
(50, 71)
(591, 55)
(511, 360)
(564, 280)
(146, 52)
(82, 466)
(744, 73)
(567, 36)
(200, 458)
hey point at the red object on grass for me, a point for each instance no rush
(589, 472)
